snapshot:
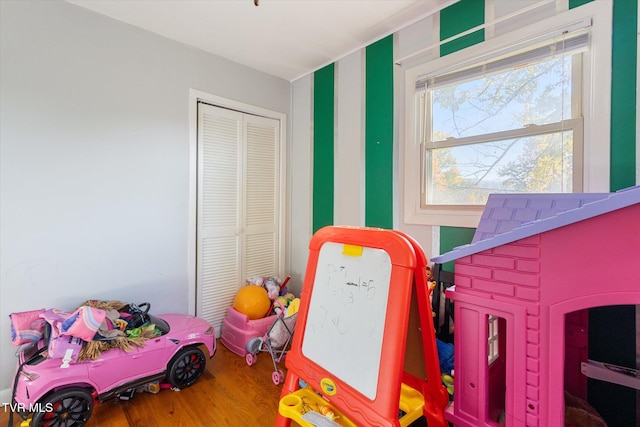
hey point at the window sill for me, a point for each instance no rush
(449, 216)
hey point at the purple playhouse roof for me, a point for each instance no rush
(510, 217)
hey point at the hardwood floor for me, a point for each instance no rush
(230, 393)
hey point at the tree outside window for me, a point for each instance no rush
(511, 125)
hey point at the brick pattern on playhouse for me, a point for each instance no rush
(526, 264)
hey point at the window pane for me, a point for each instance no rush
(468, 174)
(497, 366)
(538, 93)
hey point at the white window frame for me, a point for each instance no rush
(596, 112)
(493, 339)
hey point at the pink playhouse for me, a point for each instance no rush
(521, 294)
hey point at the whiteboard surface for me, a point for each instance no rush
(346, 315)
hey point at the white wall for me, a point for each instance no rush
(94, 159)
(301, 173)
(418, 37)
(348, 197)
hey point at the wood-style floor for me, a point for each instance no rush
(230, 393)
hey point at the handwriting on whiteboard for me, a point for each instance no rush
(346, 314)
(349, 285)
(348, 289)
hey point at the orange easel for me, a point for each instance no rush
(351, 334)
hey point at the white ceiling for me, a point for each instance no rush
(286, 38)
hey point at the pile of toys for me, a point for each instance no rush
(83, 334)
(255, 309)
(263, 296)
(445, 350)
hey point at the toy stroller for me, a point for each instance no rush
(276, 341)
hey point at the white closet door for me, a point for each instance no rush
(219, 207)
(238, 206)
(261, 198)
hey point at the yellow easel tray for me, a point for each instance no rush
(305, 400)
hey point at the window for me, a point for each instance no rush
(496, 372)
(511, 124)
(524, 112)
(493, 343)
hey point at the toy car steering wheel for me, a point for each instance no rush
(146, 310)
(139, 316)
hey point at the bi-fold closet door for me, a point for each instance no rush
(238, 214)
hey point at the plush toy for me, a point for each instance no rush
(447, 380)
(256, 281)
(272, 285)
(445, 356)
(282, 302)
(293, 308)
(26, 326)
(432, 285)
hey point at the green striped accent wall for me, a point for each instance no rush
(379, 134)
(458, 18)
(323, 140)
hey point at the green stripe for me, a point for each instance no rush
(323, 123)
(379, 134)
(576, 3)
(451, 237)
(458, 18)
(623, 100)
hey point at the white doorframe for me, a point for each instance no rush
(196, 96)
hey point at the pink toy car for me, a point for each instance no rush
(61, 392)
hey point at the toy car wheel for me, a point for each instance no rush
(186, 367)
(67, 407)
(251, 359)
(277, 377)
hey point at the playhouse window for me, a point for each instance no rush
(511, 123)
(493, 339)
(496, 371)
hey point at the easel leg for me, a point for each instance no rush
(291, 384)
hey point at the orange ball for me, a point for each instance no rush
(252, 301)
